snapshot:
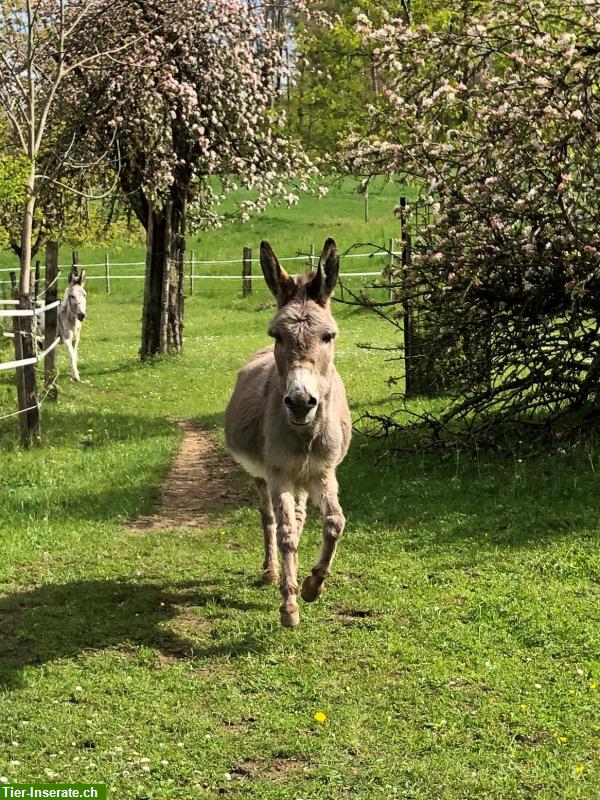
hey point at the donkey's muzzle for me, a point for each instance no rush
(300, 406)
(80, 317)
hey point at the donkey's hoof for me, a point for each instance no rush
(270, 576)
(311, 589)
(289, 619)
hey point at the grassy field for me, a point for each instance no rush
(291, 229)
(455, 653)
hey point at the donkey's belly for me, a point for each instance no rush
(252, 467)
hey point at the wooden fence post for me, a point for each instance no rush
(20, 378)
(75, 262)
(51, 320)
(391, 267)
(107, 273)
(36, 281)
(407, 320)
(247, 272)
(192, 271)
(311, 258)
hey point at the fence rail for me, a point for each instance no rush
(25, 338)
(29, 312)
(24, 362)
(246, 262)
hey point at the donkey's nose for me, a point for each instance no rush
(80, 317)
(300, 404)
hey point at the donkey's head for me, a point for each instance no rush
(76, 295)
(304, 330)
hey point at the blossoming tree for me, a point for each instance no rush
(495, 115)
(192, 112)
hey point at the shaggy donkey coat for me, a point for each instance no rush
(288, 424)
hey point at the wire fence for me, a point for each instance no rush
(196, 270)
(200, 270)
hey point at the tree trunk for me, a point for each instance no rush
(177, 282)
(162, 319)
(29, 417)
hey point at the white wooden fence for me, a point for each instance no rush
(24, 312)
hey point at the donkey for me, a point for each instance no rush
(288, 424)
(71, 313)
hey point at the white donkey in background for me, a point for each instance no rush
(71, 314)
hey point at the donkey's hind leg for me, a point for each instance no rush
(325, 495)
(270, 564)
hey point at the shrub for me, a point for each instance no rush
(496, 117)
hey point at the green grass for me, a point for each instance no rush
(456, 646)
(291, 229)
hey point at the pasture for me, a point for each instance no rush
(454, 654)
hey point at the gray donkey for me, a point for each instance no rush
(71, 314)
(288, 424)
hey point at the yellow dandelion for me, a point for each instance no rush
(320, 717)
(580, 769)
(572, 691)
(593, 686)
(563, 739)
(523, 706)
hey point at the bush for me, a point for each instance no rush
(495, 116)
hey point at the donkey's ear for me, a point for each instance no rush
(323, 283)
(281, 284)
(71, 277)
(82, 277)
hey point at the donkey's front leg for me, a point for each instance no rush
(324, 492)
(73, 359)
(284, 506)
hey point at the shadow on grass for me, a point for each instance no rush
(62, 428)
(61, 620)
(129, 366)
(440, 502)
(91, 476)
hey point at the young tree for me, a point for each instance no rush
(495, 116)
(43, 45)
(192, 108)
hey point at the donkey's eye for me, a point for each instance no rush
(328, 337)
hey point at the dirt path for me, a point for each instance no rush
(199, 485)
